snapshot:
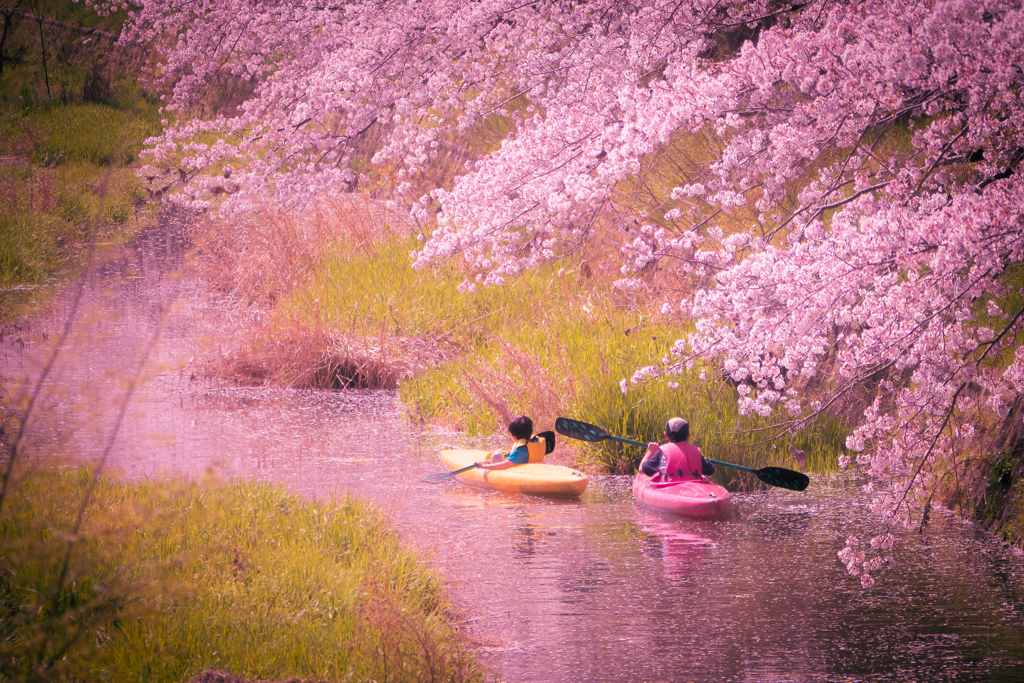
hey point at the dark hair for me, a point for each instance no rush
(521, 427)
(677, 430)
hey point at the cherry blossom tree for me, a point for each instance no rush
(837, 183)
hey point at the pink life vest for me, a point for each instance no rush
(680, 461)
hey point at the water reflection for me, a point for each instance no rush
(679, 547)
(592, 590)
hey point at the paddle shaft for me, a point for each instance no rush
(716, 462)
(773, 476)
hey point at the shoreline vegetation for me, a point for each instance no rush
(334, 301)
(70, 135)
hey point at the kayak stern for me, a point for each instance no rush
(701, 498)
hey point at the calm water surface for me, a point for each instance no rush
(597, 589)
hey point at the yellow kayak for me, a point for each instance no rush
(534, 478)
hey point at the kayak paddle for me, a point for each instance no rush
(549, 445)
(773, 476)
(445, 476)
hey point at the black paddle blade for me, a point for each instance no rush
(783, 478)
(574, 429)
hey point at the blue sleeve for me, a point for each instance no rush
(520, 455)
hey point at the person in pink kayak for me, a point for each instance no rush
(676, 459)
(520, 429)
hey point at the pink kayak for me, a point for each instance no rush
(694, 498)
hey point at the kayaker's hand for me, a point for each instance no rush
(652, 448)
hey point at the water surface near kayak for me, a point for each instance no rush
(597, 589)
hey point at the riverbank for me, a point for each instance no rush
(159, 582)
(555, 340)
(70, 135)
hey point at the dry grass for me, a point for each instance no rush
(301, 358)
(260, 259)
(502, 387)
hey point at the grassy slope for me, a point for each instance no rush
(168, 580)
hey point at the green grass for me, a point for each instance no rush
(69, 179)
(167, 580)
(89, 133)
(363, 289)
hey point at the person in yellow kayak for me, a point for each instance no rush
(676, 459)
(520, 429)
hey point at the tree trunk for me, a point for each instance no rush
(42, 46)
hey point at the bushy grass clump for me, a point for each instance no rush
(30, 248)
(164, 581)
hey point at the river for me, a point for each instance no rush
(597, 589)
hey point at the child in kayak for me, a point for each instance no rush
(677, 458)
(520, 429)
